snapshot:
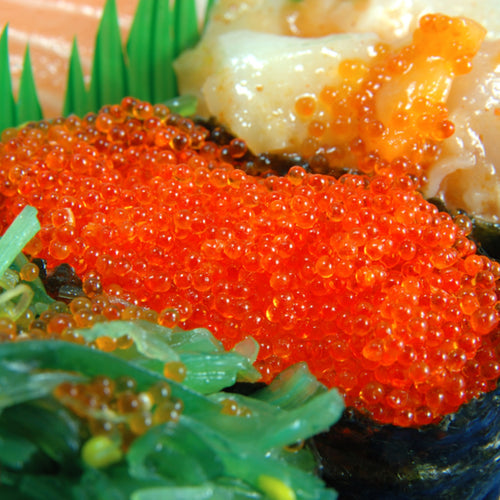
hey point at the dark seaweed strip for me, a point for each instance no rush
(487, 234)
(484, 233)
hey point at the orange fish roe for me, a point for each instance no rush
(114, 407)
(381, 293)
(60, 320)
(393, 106)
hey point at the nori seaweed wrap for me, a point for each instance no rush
(457, 458)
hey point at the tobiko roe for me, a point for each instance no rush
(383, 295)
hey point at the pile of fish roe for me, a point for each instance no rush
(382, 294)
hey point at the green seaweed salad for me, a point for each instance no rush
(219, 444)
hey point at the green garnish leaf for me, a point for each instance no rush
(163, 53)
(40, 299)
(15, 301)
(186, 22)
(288, 426)
(18, 384)
(150, 52)
(115, 483)
(109, 76)
(176, 453)
(278, 427)
(205, 448)
(143, 68)
(52, 429)
(15, 451)
(184, 105)
(7, 104)
(148, 340)
(210, 5)
(40, 487)
(209, 373)
(28, 105)
(246, 464)
(291, 388)
(16, 296)
(58, 355)
(76, 99)
(204, 492)
(139, 50)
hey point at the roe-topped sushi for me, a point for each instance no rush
(383, 295)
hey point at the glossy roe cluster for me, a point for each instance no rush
(392, 106)
(115, 408)
(383, 295)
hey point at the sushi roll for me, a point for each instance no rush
(365, 458)
(384, 295)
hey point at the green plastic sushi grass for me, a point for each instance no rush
(160, 31)
(46, 451)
